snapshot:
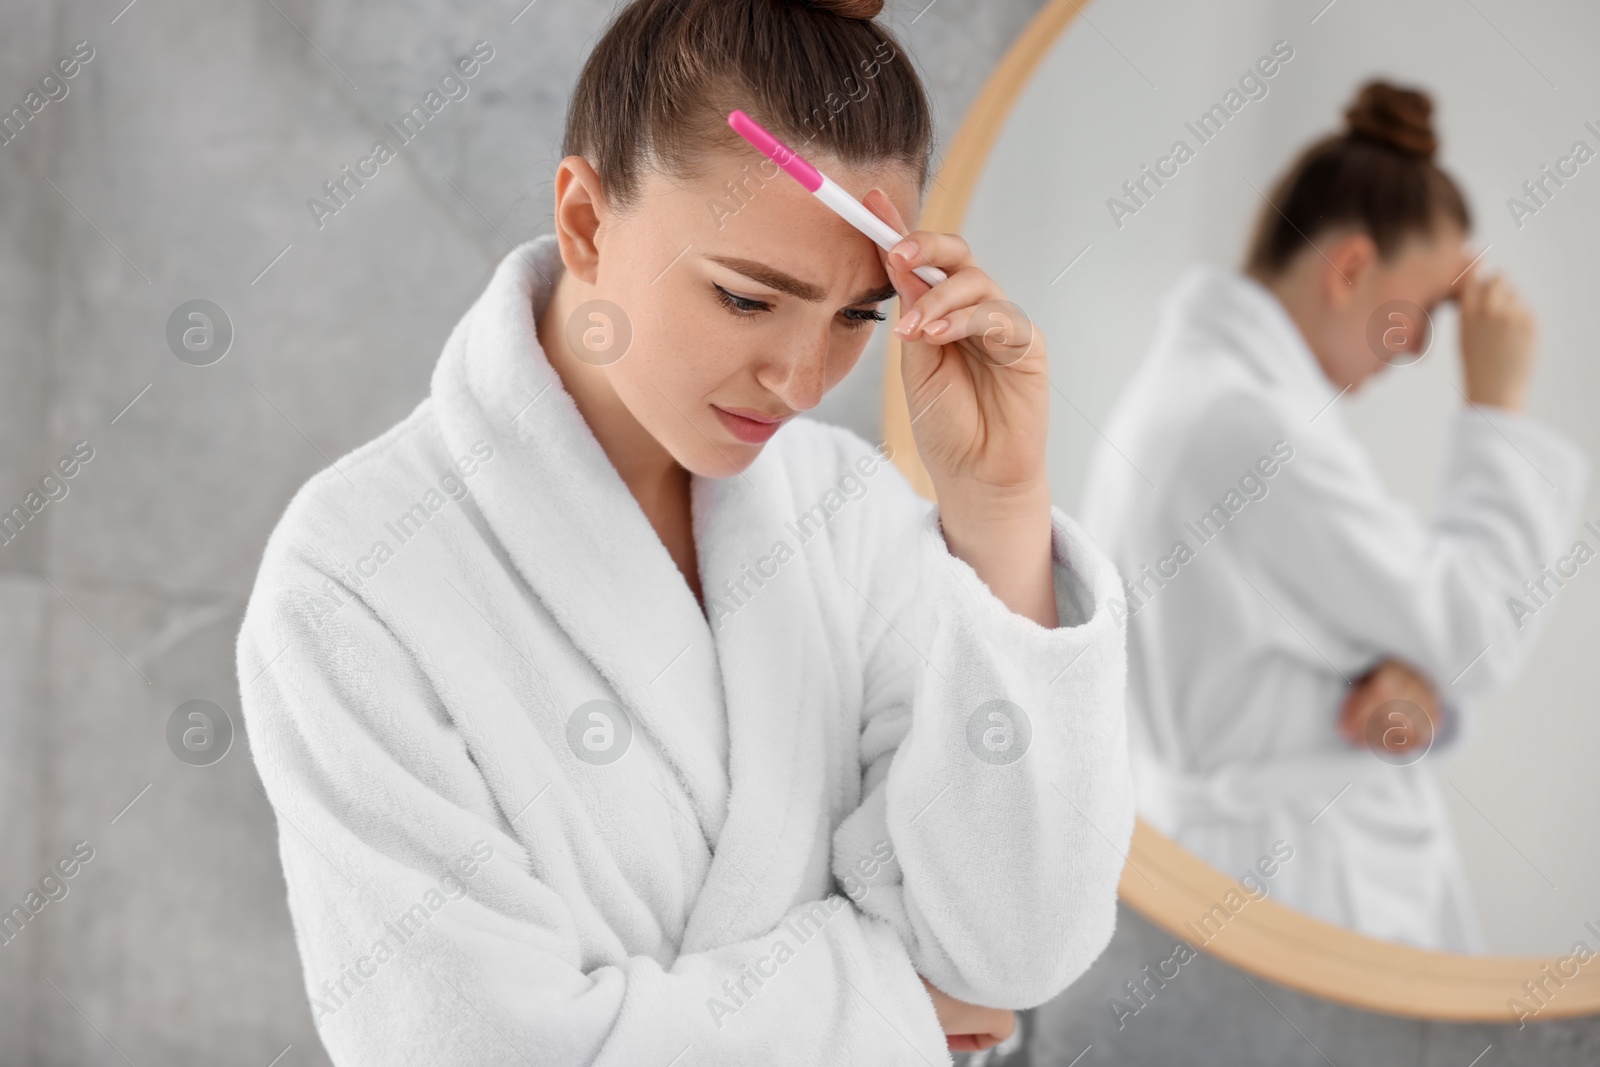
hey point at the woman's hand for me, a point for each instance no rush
(970, 1027)
(974, 366)
(1498, 333)
(1398, 730)
(976, 376)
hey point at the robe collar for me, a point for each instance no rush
(1246, 320)
(571, 526)
(583, 545)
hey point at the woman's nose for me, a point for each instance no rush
(802, 379)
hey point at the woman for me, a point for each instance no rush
(610, 721)
(1290, 622)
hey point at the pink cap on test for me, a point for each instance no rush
(776, 150)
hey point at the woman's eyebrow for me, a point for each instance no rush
(788, 283)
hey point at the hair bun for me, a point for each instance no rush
(865, 10)
(1397, 117)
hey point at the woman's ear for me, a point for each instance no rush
(1349, 264)
(579, 209)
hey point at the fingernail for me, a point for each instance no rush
(908, 322)
(907, 250)
(936, 327)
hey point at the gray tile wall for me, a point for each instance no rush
(1212, 1013)
(176, 168)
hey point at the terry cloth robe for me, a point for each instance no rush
(1298, 571)
(535, 807)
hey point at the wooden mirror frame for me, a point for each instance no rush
(1164, 882)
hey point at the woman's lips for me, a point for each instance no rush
(745, 429)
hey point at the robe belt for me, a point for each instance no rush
(1247, 790)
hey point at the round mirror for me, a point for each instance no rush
(1101, 164)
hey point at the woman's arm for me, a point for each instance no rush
(977, 375)
(1393, 711)
(1006, 540)
(993, 740)
(430, 932)
(970, 1027)
(997, 803)
(1338, 553)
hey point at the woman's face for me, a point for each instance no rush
(743, 294)
(1379, 310)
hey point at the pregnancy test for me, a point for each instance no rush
(825, 189)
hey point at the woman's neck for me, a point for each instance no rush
(659, 485)
(1295, 293)
(651, 474)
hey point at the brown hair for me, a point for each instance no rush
(1378, 173)
(819, 74)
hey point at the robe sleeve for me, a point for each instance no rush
(998, 803)
(426, 933)
(1342, 554)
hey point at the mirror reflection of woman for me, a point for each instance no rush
(1298, 637)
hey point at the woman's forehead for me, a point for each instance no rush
(745, 168)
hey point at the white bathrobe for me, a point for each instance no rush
(1299, 572)
(534, 808)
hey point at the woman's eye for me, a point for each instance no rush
(738, 305)
(744, 308)
(859, 317)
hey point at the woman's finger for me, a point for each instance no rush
(877, 201)
(908, 285)
(1350, 717)
(963, 289)
(1466, 279)
(994, 330)
(947, 251)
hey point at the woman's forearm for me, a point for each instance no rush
(1007, 541)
